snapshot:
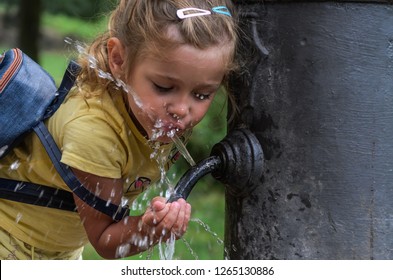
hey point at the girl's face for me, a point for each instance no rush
(174, 94)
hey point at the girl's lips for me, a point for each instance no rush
(169, 126)
(166, 130)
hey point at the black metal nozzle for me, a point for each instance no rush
(237, 159)
(191, 177)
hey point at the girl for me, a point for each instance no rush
(153, 74)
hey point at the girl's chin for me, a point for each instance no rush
(165, 140)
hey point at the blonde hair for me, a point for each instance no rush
(142, 25)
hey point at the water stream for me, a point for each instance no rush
(182, 149)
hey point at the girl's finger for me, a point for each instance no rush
(187, 217)
(158, 210)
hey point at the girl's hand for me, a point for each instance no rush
(156, 224)
(163, 218)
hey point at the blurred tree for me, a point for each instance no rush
(86, 9)
(29, 16)
(29, 12)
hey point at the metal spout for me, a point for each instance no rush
(237, 159)
(191, 177)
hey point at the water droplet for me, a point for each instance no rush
(68, 40)
(18, 217)
(104, 75)
(108, 239)
(124, 201)
(3, 149)
(41, 194)
(226, 253)
(123, 250)
(171, 133)
(15, 165)
(18, 186)
(92, 62)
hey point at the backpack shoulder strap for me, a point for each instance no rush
(117, 212)
(66, 84)
(35, 194)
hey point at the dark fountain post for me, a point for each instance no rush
(318, 94)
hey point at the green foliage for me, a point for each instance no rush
(55, 64)
(86, 9)
(75, 28)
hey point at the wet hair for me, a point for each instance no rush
(142, 27)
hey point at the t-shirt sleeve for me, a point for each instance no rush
(92, 145)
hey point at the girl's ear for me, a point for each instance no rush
(116, 56)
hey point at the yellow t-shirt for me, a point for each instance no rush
(95, 135)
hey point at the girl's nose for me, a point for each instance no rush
(178, 109)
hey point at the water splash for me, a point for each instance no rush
(188, 246)
(123, 250)
(119, 83)
(207, 229)
(167, 249)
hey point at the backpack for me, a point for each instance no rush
(29, 96)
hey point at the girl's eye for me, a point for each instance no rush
(202, 96)
(161, 88)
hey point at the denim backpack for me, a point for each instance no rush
(29, 96)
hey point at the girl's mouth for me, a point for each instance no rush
(166, 129)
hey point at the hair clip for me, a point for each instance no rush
(195, 12)
(221, 10)
(191, 12)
